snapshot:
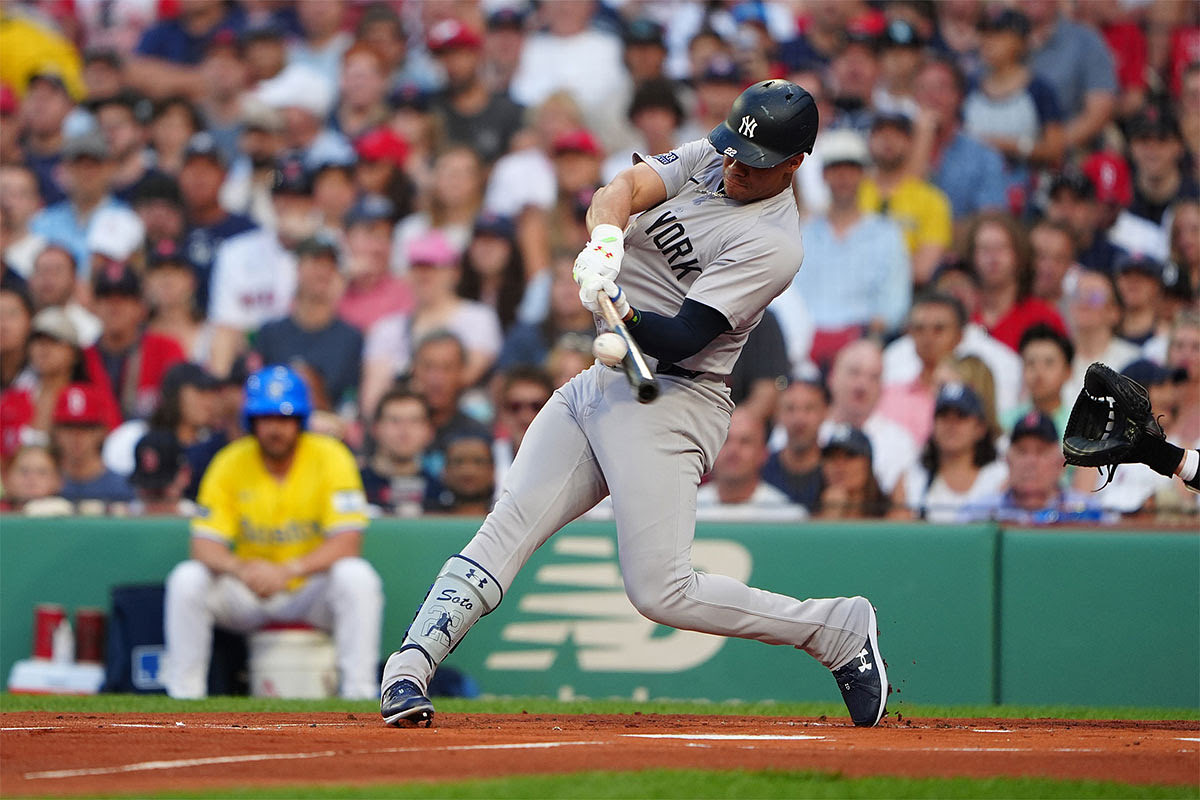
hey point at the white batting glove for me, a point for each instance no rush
(602, 255)
(593, 286)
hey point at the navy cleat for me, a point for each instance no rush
(403, 704)
(863, 681)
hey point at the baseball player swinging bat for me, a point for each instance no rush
(644, 384)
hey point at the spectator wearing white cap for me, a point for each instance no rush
(856, 272)
(305, 97)
(247, 186)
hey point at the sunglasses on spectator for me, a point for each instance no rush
(517, 406)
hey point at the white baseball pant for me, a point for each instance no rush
(346, 600)
(592, 439)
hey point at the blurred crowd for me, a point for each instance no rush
(389, 196)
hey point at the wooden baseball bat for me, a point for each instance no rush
(645, 385)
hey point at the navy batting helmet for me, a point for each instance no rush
(769, 123)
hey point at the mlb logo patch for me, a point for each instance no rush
(666, 158)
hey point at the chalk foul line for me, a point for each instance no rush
(183, 763)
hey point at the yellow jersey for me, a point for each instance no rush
(920, 209)
(279, 520)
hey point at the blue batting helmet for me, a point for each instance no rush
(276, 391)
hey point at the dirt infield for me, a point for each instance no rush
(75, 754)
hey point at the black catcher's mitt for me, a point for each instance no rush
(1111, 422)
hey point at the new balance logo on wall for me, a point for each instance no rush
(581, 608)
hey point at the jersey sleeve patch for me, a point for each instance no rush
(350, 501)
(666, 158)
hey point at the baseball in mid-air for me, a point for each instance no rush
(609, 348)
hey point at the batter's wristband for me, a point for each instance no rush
(635, 319)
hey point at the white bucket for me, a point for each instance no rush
(292, 663)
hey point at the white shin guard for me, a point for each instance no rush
(462, 593)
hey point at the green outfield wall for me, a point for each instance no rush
(971, 614)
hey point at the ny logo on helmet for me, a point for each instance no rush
(748, 126)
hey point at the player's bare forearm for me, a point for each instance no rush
(633, 191)
(335, 548)
(215, 555)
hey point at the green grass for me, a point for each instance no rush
(697, 784)
(160, 704)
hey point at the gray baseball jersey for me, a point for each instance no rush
(593, 439)
(701, 245)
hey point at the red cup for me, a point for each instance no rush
(46, 618)
(89, 635)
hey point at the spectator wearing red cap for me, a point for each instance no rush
(362, 99)
(1114, 192)
(79, 428)
(127, 361)
(381, 169)
(577, 159)
(470, 112)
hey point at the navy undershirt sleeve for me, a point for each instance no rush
(672, 339)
